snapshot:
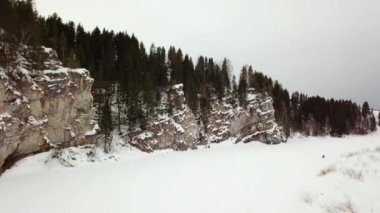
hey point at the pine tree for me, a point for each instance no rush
(365, 109)
(225, 75)
(106, 124)
(8, 17)
(176, 61)
(218, 83)
(243, 86)
(162, 76)
(235, 94)
(200, 69)
(189, 85)
(295, 115)
(281, 104)
(26, 21)
(251, 79)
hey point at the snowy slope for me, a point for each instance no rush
(291, 177)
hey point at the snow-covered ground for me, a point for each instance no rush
(254, 177)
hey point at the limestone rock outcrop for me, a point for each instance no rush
(42, 104)
(254, 123)
(183, 129)
(178, 131)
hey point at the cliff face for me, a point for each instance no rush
(42, 104)
(254, 123)
(183, 130)
(45, 105)
(178, 131)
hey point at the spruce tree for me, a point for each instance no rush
(243, 86)
(177, 67)
(8, 17)
(251, 79)
(225, 79)
(218, 83)
(106, 124)
(365, 109)
(281, 104)
(200, 69)
(27, 22)
(189, 85)
(235, 94)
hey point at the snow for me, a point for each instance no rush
(47, 50)
(93, 131)
(17, 102)
(307, 174)
(66, 71)
(274, 127)
(34, 122)
(178, 127)
(5, 115)
(3, 118)
(2, 74)
(251, 97)
(144, 135)
(177, 86)
(47, 140)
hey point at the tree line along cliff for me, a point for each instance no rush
(143, 76)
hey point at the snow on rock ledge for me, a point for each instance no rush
(255, 123)
(178, 131)
(42, 105)
(181, 130)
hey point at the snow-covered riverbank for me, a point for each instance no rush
(291, 177)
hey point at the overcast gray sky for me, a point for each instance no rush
(325, 47)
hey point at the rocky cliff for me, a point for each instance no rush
(256, 122)
(183, 130)
(45, 105)
(42, 104)
(178, 131)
